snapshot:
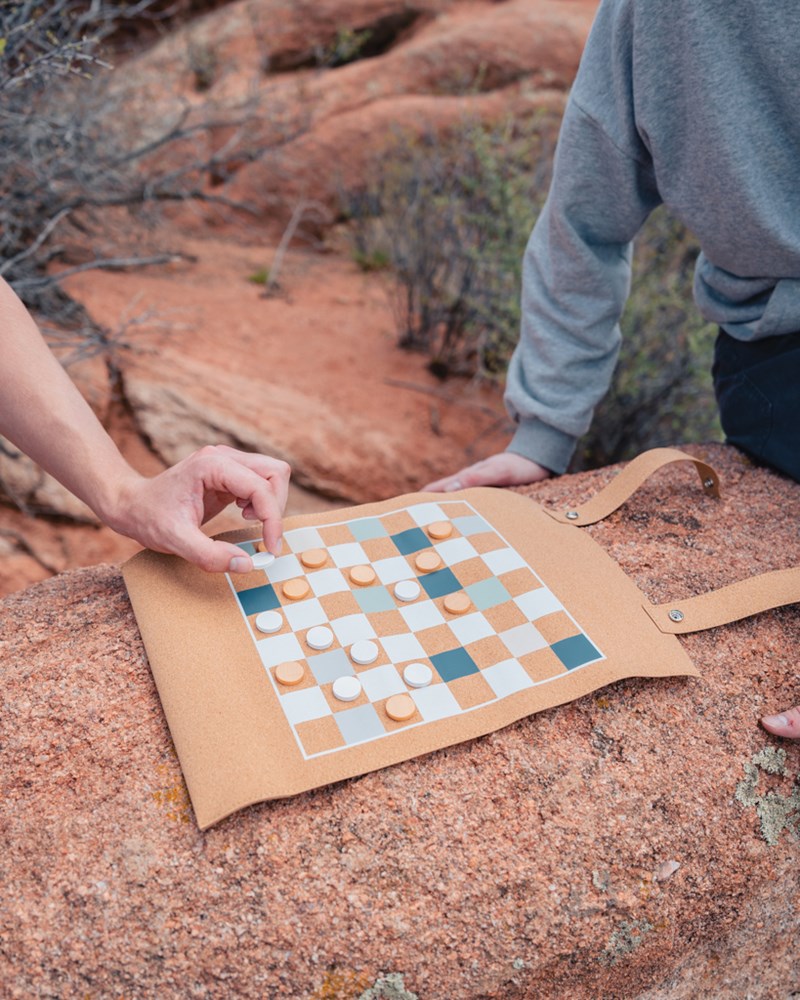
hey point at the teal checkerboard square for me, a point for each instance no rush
(374, 599)
(487, 593)
(366, 528)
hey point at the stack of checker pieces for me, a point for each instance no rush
(373, 625)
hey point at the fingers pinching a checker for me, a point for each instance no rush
(398, 707)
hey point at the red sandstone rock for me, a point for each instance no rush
(524, 864)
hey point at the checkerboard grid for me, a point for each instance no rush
(505, 677)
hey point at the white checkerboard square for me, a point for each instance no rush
(305, 705)
(382, 682)
(348, 554)
(470, 628)
(435, 702)
(327, 581)
(284, 568)
(426, 513)
(391, 570)
(400, 648)
(305, 614)
(506, 678)
(279, 648)
(456, 550)
(422, 615)
(352, 628)
(537, 603)
(503, 561)
(302, 539)
(522, 639)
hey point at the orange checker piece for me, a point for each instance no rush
(457, 603)
(363, 575)
(296, 589)
(440, 529)
(428, 561)
(314, 558)
(289, 673)
(400, 707)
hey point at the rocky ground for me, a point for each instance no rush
(311, 373)
(640, 843)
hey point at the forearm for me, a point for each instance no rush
(576, 277)
(44, 415)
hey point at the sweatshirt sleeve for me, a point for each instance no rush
(576, 269)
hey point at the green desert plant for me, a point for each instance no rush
(452, 216)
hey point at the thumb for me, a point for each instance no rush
(213, 556)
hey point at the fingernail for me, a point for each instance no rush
(276, 548)
(452, 487)
(779, 721)
(240, 564)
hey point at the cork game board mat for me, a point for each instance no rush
(546, 617)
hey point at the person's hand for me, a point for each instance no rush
(503, 469)
(165, 513)
(786, 724)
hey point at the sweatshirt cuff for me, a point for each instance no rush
(541, 443)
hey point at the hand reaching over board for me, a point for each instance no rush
(165, 513)
(506, 468)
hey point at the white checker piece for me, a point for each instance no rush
(456, 550)
(435, 702)
(284, 568)
(381, 682)
(348, 554)
(305, 614)
(327, 581)
(427, 513)
(471, 628)
(305, 705)
(391, 570)
(353, 628)
(506, 678)
(537, 603)
(523, 639)
(280, 648)
(262, 559)
(301, 539)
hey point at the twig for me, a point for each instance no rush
(111, 263)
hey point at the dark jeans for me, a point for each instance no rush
(758, 391)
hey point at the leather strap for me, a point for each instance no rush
(728, 604)
(629, 480)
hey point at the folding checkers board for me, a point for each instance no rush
(551, 618)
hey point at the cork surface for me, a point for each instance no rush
(640, 842)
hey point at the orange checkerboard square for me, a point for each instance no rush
(471, 691)
(335, 534)
(486, 652)
(471, 571)
(388, 622)
(438, 639)
(542, 665)
(379, 548)
(319, 735)
(487, 541)
(399, 521)
(339, 604)
(557, 626)
(504, 616)
(519, 581)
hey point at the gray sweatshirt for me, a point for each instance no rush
(695, 103)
